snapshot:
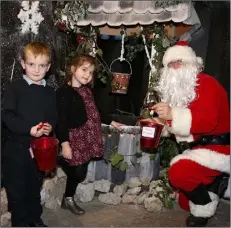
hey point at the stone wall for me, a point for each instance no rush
(130, 192)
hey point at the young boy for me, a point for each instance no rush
(28, 102)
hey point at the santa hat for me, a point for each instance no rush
(181, 51)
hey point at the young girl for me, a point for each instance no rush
(79, 126)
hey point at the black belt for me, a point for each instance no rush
(222, 139)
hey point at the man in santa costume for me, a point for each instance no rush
(194, 107)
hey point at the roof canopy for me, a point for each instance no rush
(117, 13)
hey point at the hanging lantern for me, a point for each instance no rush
(120, 81)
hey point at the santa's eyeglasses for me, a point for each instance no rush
(175, 64)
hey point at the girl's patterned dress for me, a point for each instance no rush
(86, 141)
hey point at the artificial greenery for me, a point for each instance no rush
(156, 36)
(164, 192)
(117, 160)
(80, 40)
(170, 150)
(164, 4)
(69, 12)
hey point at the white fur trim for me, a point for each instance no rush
(165, 132)
(227, 191)
(177, 52)
(199, 60)
(205, 157)
(181, 121)
(205, 211)
(180, 138)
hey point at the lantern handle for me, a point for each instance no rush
(121, 61)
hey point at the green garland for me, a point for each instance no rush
(161, 41)
(164, 4)
(80, 40)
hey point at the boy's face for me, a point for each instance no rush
(36, 67)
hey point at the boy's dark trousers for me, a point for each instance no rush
(23, 183)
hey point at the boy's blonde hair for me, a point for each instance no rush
(36, 48)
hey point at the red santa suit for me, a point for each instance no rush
(207, 114)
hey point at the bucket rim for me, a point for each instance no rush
(120, 74)
(41, 138)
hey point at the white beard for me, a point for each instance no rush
(177, 86)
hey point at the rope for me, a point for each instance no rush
(122, 46)
(12, 71)
(93, 51)
(153, 52)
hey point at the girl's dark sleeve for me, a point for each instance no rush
(62, 111)
(52, 111)
(104, 116)
(10, 117)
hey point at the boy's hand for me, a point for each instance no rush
(40, 129)
(36, 131)
(47, 128)
(66, 150)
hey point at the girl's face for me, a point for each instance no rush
(82, 75)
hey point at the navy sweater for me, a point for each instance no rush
(25, 106)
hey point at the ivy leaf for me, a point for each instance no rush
(99, 52)
(116, 159)
(123, 166)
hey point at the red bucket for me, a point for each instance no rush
(120, 81)
(45, 151)
(150, 135)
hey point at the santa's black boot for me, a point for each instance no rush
(219, 185)
(193, 221)
(202, 205)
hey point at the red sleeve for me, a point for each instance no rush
(205, 108)
(202, 114)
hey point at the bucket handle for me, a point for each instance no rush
(121, 61)
(123, 112)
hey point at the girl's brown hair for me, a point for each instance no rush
(77, 62)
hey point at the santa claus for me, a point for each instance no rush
(195, 109)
